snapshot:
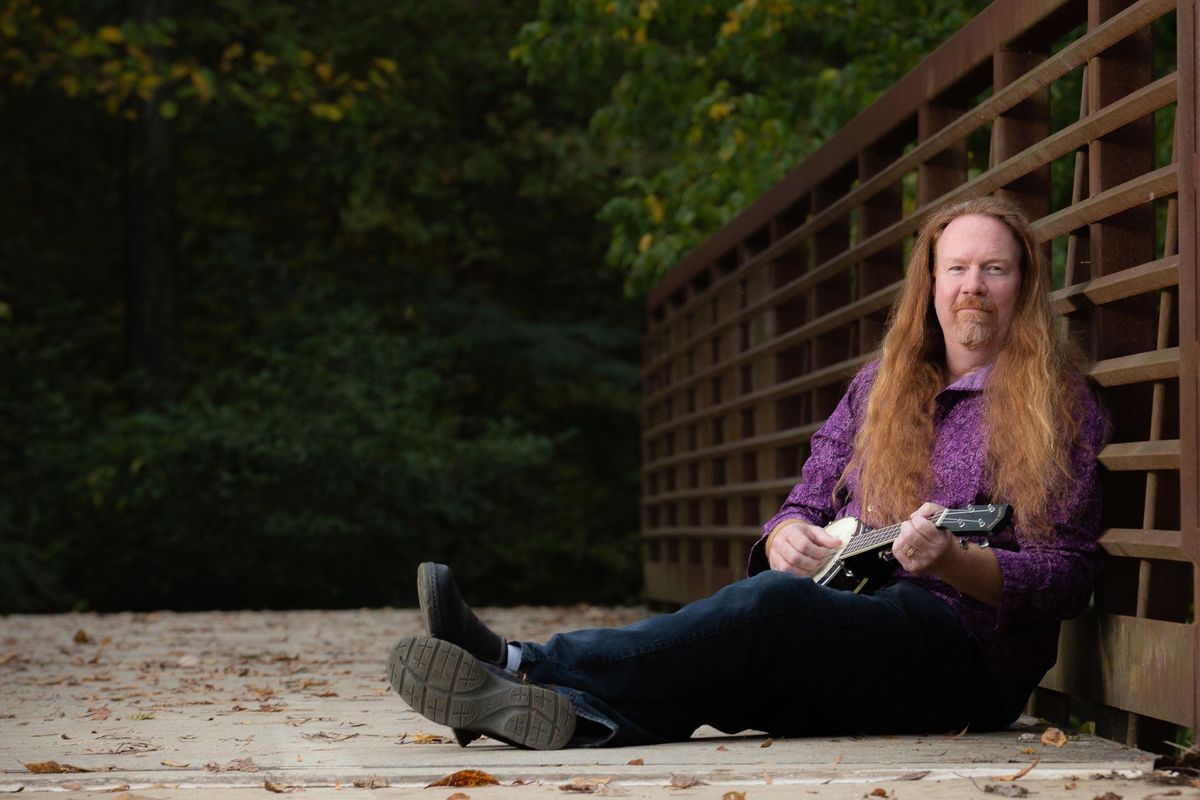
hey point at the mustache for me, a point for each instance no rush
(971, 301)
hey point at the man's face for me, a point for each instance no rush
(976, 282)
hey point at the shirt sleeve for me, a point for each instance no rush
(811, 500)
(1051, 577)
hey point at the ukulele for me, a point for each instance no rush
(865, 559)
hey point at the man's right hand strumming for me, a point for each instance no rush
(799, 547)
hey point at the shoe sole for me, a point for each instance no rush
(427, 598)
(444, 683)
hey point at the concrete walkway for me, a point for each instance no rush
(242, 704)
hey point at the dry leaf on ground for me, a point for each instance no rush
(1054, 737)
(459, 796)
(373, 782)
(767, 743)
(637, 762)
(428, 738)
(277, 788)
(466, 778)
(878, 791)
(81, 637)
(52, 768)
(1005, 789)
(1018, 775)
(913, 776)
(734, 796)
(237, 765)
(166, 763)
(1108, 796)
(584, 785)
(685, 781)
(326, 736)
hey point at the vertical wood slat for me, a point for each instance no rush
(1187, 145)
(1125, 239)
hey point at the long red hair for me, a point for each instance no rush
(1031, 396)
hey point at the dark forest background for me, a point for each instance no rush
(294, 295)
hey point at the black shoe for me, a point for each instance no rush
(447, 617)
(445, 684)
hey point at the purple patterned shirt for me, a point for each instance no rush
(1045, 581)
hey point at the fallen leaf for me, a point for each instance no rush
(81, 637)
(466, 778)
(961, 733)
(237, 765)
(637, 762)
(734, 796)
(685, 781)
(127, 796)
(722, 748)
(72, 786)
(175, 763)
(522, 781)
(913, 776)
(52, 767)
(459, 796)
(99, 713)
(326, 736)
(373, 782)
(878, 791)
(428, 738)
(7, 657)
(1054, 737)
(1006, 789)
(584, 785)
(124, 787)
(277, 788)
(1019, 775)
(1028, 751)
(1108, 796)
(767, 743)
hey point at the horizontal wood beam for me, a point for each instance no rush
(1126, 456)
(1136, 664)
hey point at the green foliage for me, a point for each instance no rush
(397, 343)
(710, 103)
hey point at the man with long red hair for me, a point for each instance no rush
(976, 398)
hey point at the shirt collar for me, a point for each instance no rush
(972, 381)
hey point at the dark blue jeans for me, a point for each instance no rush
(774, 653)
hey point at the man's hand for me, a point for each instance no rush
(799, 547)
(921, 547)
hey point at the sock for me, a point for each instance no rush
(514, 658)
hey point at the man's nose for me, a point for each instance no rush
(974, 282)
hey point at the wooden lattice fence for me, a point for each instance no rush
(1083, 112)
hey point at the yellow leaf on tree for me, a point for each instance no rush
(718, 111)
(203, 88)
(111, 34)
(323, 70)
(387, 65)
(326, 111)
(645, 242)
(655, 208)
